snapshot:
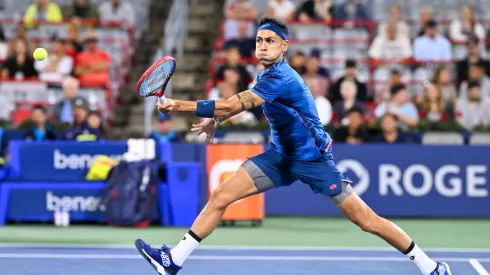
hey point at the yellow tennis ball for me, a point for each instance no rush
(40, 54)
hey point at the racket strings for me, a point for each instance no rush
(157, 78)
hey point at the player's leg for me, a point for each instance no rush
(357, 211)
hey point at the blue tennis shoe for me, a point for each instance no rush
(441, 269)
(160, 259)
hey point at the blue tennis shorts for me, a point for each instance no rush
(271, 169)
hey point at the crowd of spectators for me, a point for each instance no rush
(452, 90)
(74, 65)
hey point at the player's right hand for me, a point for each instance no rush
(207, 126)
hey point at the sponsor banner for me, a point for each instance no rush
(222, 161)
(402, 180)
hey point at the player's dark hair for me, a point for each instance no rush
(280, 24)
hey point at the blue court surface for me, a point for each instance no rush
(100, 260)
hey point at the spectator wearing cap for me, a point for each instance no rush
(39, 129)
(165, 133)
(354, 131)
(80, 130)
(432, 46)
(350, 74)
(117, 11)
(477, 73)
(43, 10)
(465, 27)
(390, 48)
(63, 109)
(384, 94)
(92, 65)
(57, 65)
(473, 109)
(401, 106)
(473, 57)
(390, 133)
(94, 121)
(244, 43)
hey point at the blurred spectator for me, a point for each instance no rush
(352, 13)
(73, 44)
(394, 17)
(473, 56)
(92, 65)
(227, 87)
(323, 106)
(80, 9)
(313, 66)
(442, 79)
(348, 90)
(117, 10)
(384, 94)
(63, 109)
(297, 61)
(235, 11)
(4, 145)
(432, 46)
(401, 106)
(3, 45)
(80, 130)
(391, 47)
(433, 106)
(20, 33)
(354, 132)
(165, 132)
(315, 10)
(43, 10)
(318, 74)
(477, 73)
(244, 43)
(233, 60)
(20, 64)
(57, 65)
(94, 121)
(349, 74)
(389, 131)
(466, 26)
(473, 109)
(39, 130)
(283, 9)
(426, 14)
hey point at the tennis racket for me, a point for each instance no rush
(156, 78)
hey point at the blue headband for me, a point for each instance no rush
(273, 27)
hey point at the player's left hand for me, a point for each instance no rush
(208, 126)
(167, 107)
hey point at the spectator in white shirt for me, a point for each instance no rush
(432, 46)
(467, 26)
(57, 65)
(323, 106)
(391, 47)
(283, 9)
(117, 10)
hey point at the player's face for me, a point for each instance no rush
(269, 47)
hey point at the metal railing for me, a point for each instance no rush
(174, 37)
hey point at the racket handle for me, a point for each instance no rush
(161, 100)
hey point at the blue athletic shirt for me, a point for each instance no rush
(291, 111)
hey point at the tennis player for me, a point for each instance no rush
(301, 150)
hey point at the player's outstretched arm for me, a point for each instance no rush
(222, 109)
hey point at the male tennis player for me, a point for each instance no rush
(301, 150)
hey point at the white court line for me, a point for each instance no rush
(227, 258)
(478, 267)
(241, 247)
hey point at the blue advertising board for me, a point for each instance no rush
(402, 180)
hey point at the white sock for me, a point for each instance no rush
(183, 250)
(423, 262)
